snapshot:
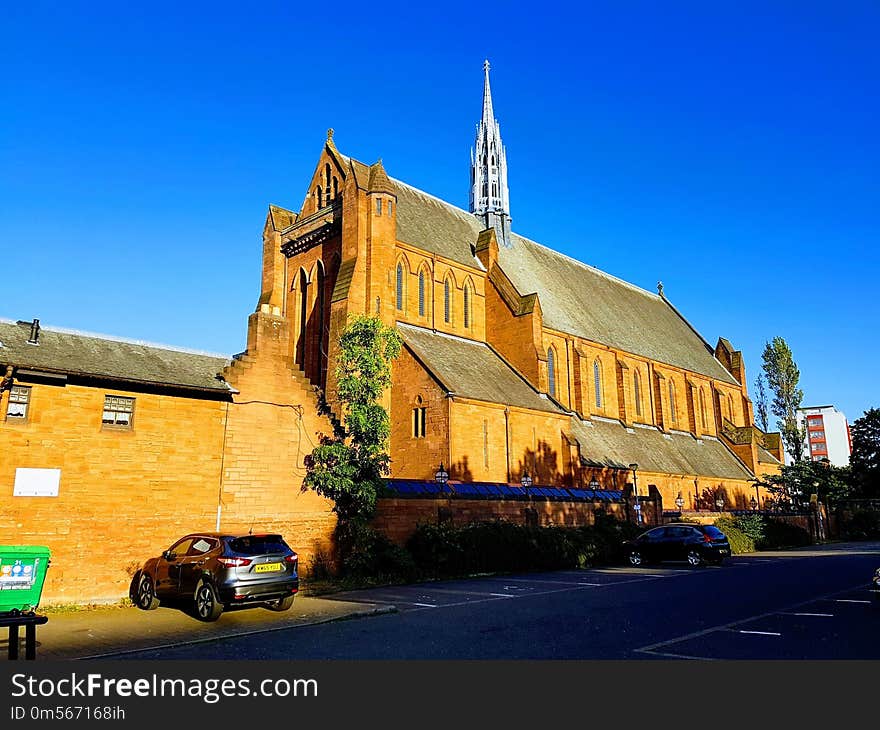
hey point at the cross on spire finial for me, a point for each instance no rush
(486, 66)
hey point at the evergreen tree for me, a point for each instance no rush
(782, 379)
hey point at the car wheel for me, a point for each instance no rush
(145, 598)
(694, 558)
(635, 558)
(282, 604)
(208, 606)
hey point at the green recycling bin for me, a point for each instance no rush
(22, 572)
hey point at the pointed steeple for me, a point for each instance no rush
(488, 114)
(489, 197)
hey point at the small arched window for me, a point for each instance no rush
(320, 197)
(597, 382)
(400, 286)
(673, 415)
(447, 301)
(327, 177)
(466, 315)
(637, 392)
(335, 187)
(422, 293)
(703, 409)
(730, 409)
(551, 372)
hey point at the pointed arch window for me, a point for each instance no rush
(320, 197)
(551, 372)
(335, 187)
(703, 409)
(730, 409)
(466, 314)
(637, 392)
(673, 414)
(327, 178)
(422, 293)
(447, 301)
(597, 382)
(400, 286)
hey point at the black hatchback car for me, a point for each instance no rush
(698, 544)
(218, 570)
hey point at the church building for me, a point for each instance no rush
(518, 361)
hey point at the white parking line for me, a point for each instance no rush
(849, 600)
(829, 615)
(502, 595)
(761, 633)
(423, 605)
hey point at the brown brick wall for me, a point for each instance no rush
(398, 518)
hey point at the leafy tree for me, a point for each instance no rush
(761, 404)
(782, 379)
(865, 458)
(798, 481)
(349, 467)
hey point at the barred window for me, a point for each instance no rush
(703, 409)
(19, 400)
(597, 382)
(422, 293)
(467, 306)
(673, 414)
(378, 206)
(447, 302)
(551, 372)
(390, 207)
(118, 411)
(400, 287)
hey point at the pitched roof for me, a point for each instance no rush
(472, 369)
(611, 444)
(575, 298)
(98, 356)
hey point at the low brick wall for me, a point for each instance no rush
(398, 518)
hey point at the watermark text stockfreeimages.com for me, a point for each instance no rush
(209, 690)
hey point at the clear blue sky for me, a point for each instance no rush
(729, 149)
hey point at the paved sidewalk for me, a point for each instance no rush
(107, 631)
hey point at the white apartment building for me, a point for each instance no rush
(828, 434)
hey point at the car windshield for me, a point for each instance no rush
(712, 531)
(258, 544)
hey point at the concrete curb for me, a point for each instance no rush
(367, 613)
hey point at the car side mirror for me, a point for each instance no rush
(168, 555)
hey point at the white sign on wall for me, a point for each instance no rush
(36, 482)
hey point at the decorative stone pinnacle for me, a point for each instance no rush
(660, 288)
(486, 65)
(330, 134)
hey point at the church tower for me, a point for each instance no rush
(490, 199)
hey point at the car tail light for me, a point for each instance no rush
(291, 558)
(707, 538)
(234, 562)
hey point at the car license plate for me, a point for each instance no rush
(268, 568)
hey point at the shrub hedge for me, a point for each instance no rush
(748, 533)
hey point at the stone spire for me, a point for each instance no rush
(490, 199)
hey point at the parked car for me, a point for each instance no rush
(875, 586)
(217, 570)
(698, 544)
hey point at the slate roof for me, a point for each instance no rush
(610, 444)
(575, 298)
(472, 369)
(88, 355)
